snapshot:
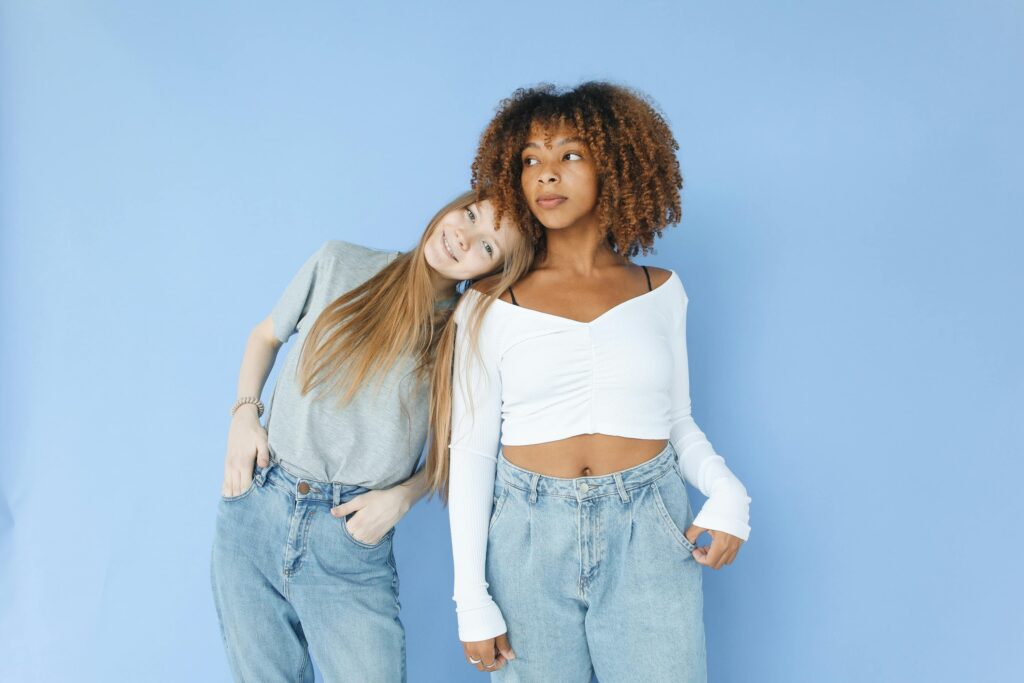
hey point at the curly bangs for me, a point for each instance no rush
(630, 142)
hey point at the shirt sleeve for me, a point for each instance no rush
(293, 305)
(476, 431)
(728, 505)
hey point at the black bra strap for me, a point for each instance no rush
(513, 295)
(648, 277)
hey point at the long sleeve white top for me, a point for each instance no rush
(536, 377)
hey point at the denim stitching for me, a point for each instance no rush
(670, 524)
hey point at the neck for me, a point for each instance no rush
(580, 248)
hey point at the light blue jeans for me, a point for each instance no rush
(288, 579)
(594, 575)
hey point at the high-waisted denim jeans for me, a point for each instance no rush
(288, 579)
(594, 575)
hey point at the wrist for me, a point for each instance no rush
(244, 401)
(246, 412)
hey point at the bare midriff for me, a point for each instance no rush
(585, 455)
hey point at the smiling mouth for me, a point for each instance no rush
(444, 241)
(550, 201)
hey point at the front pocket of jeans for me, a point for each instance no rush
(365, 546)
(245, 493)
(670, 524)
(499, 505)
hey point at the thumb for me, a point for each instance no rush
(346, 509)
(501, 642)
(262, 454)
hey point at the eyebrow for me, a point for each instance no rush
(560, 143)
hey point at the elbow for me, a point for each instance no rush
(264, 334)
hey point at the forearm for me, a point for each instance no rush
(470, 497)
(257, 361)
(728, 505)
(414, 488)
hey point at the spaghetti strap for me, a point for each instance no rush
(647, 273)
(513, 295)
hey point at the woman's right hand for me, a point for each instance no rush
(247, 444)
(490, 654)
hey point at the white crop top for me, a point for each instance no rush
(541, 377)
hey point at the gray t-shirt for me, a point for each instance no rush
(376, 438)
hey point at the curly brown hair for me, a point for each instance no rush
(632, 147)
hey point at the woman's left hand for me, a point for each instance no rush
(722, 551)
(376, 512)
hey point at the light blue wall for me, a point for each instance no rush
(851, 245)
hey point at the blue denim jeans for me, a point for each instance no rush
(594, 575)
(289, 580)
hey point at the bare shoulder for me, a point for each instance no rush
(659, 276)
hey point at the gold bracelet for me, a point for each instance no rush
(245, 400)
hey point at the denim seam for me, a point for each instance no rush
(306, 523)
(240, 496)
(498, 507)
(360, 544)
(669, 523)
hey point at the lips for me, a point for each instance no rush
(550, 201)
(448, 249)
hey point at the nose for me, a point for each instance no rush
(547, 175)
(460, 238)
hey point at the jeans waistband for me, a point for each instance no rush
(581, 488)
(308, 489)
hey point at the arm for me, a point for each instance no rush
(247, 439)
(727, 507)
(476, 427)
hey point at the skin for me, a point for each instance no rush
(464, 244)
(579, 278)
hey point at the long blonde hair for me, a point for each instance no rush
(365, 331)
(517, 264)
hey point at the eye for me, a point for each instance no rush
(470, 215)
(530, 161)
(572, 156)
(489, 249)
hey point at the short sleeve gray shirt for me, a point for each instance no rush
(376, 438)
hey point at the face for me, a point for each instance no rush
(559, 178)
(466, 243)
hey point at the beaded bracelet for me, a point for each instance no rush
(245, 400)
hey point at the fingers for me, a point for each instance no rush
(693, 533)
(502, 645)
(484, 655)
(722, 551)
(346, 509)
(715, 552)
(262, 453)
(236, 483)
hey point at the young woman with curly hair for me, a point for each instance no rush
(302, 559)
(578, 520)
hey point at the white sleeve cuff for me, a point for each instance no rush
(480, 623)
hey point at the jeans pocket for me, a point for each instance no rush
(258, 475)
(499, 505)
(673, 515)
(365, 546)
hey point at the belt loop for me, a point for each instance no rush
(261, 474)
(534, 479)
(336, 494)
(623, 496)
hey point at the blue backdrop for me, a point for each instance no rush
(851, 245)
